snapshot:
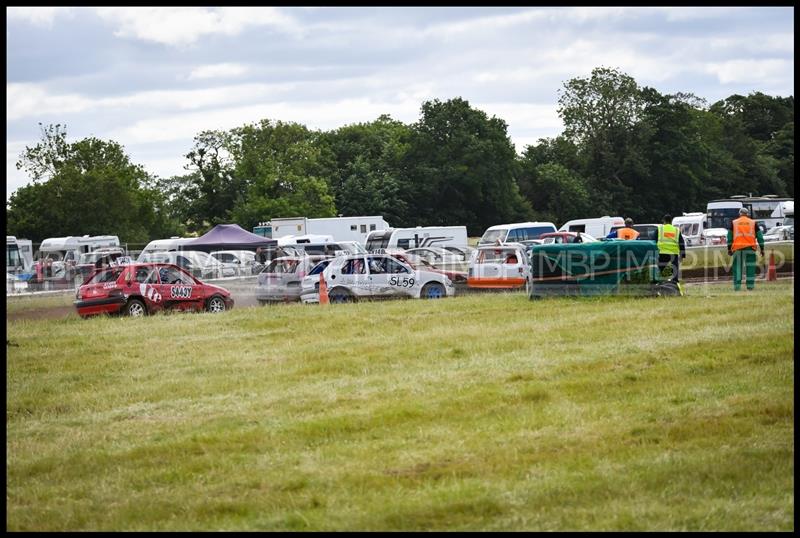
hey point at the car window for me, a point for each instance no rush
(146, 275)
(282, 266)
(377, 265)
(106, 276)
(319, 267)
(393, 267)
(354, 267)
(171, 275)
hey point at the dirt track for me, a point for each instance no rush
(243, 296)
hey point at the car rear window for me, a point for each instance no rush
(110, 275)
(282, 266)
(497, 255)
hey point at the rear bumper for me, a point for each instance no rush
(496, 283)
(275, 293)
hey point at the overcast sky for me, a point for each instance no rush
(153, 78)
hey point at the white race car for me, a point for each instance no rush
(382, 276)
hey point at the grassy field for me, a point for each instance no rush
(486, 412)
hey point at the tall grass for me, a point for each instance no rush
(486, 412)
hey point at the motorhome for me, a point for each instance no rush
(19, 255)
(67, 250)
(691, 226)
(163, 245)
(768, 210)
(515, 232)
(340, 228)
(421, 236)
(596, 227)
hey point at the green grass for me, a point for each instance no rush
(485, 412)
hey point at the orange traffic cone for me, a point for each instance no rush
(772, 273)
(323, 290)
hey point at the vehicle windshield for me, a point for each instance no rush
(377, 241)
(13, 257)
(319, 267)
(689, 228)
(55, 255)
(722, 218)
(492, 236)
(282, 266)
(110, 275)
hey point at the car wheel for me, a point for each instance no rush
(338, 296)
(216, 305)
(433, 290)
(135, 308)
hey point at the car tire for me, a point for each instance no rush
(215, 305)
(433, 290)
(339, 295)
(135, 309)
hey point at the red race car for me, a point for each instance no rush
(144, 288)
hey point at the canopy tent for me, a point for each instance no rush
(599, 268)
(228, 237)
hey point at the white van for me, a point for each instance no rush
(427, 236)
(516, 232)
(691, 226)
(163, 245)
(597, 228)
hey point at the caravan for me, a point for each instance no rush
(62, 252)
(428, 236)
(339, 228)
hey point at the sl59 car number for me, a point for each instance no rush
(180, 292)
(403, 282)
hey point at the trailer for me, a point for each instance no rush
(339, 228)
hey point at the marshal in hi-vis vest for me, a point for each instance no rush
(668, 239)
(744, 233)
(627, 233)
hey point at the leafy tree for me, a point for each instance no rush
(85, 187)
(281, 166)
(461, 168)
(366, 170)
(602, 115)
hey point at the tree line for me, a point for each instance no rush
(625, 150)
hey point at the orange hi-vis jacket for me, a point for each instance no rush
(627, 233)
(744, 233)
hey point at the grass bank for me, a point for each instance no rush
(485, 412)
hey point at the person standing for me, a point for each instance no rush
(743, 237)
(627, 232)
(671, 247)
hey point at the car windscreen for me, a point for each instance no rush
(282, 266)
(110, 275)
(319, 267)
(493, 235)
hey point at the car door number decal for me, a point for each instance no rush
(403, 282)
(180, 292)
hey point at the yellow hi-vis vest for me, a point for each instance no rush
(668, 239)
